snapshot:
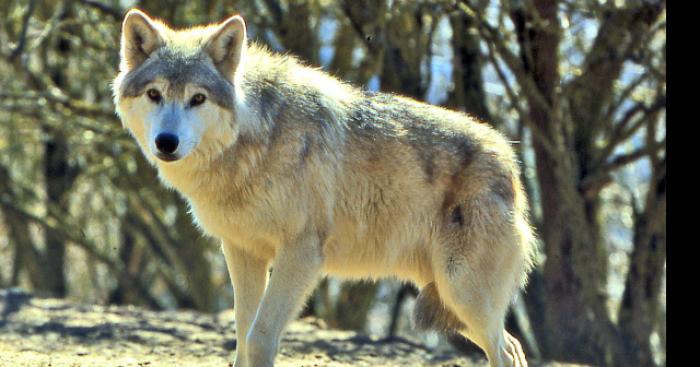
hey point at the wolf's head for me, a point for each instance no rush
(177, 90)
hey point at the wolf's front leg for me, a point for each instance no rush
(248, 276)
(294, 274)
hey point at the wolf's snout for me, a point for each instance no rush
(167, 143)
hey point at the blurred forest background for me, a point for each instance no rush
(579, 85)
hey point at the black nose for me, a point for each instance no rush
(167, 143)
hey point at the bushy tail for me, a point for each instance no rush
(430, 313)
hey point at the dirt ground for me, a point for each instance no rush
(55, 332)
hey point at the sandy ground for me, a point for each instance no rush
(55, 332)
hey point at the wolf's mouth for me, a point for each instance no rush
(167, 157)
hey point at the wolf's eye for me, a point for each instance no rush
(154, 95)
(197, 99)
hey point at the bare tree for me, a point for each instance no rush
(579, 85)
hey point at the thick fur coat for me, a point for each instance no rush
(295, 170)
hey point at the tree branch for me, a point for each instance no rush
(623, 131)
(492, 36)
(21, 43)
(116, 13)
(65, 231)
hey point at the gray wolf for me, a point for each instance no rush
(297, 171)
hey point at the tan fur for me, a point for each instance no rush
(311, 176)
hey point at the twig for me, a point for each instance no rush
(621, 134)
(536, 132)
(593, 183)
(115, 13)
(23, 33)
(525, 80)
(624, 95)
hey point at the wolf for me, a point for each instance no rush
(298, 172)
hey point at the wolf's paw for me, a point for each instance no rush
(515, 351)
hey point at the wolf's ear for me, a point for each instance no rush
(226, 46)
(139, 38)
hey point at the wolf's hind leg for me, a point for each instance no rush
(482, 321)
(248, 276)
(478, 268)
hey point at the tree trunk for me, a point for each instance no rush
(406, 46)
(59, 176)
(572, 271)
(353, 305)
(639, 311)
(576, 322)
(123, 293)
(26, 254)
(293, 28)
(468, 92)
(365, 20)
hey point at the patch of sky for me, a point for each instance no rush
(251, 31)
(327, 27)
(630, 72)
(492, 82)
(579, 33)
(493, 9)
(358, 54)
(273, 41)
(127, 4)
(374, 84)
(441, 64)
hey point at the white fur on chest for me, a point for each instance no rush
(234, 226)
(214, 219)
(217, 211)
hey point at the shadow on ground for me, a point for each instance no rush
(56, 332)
